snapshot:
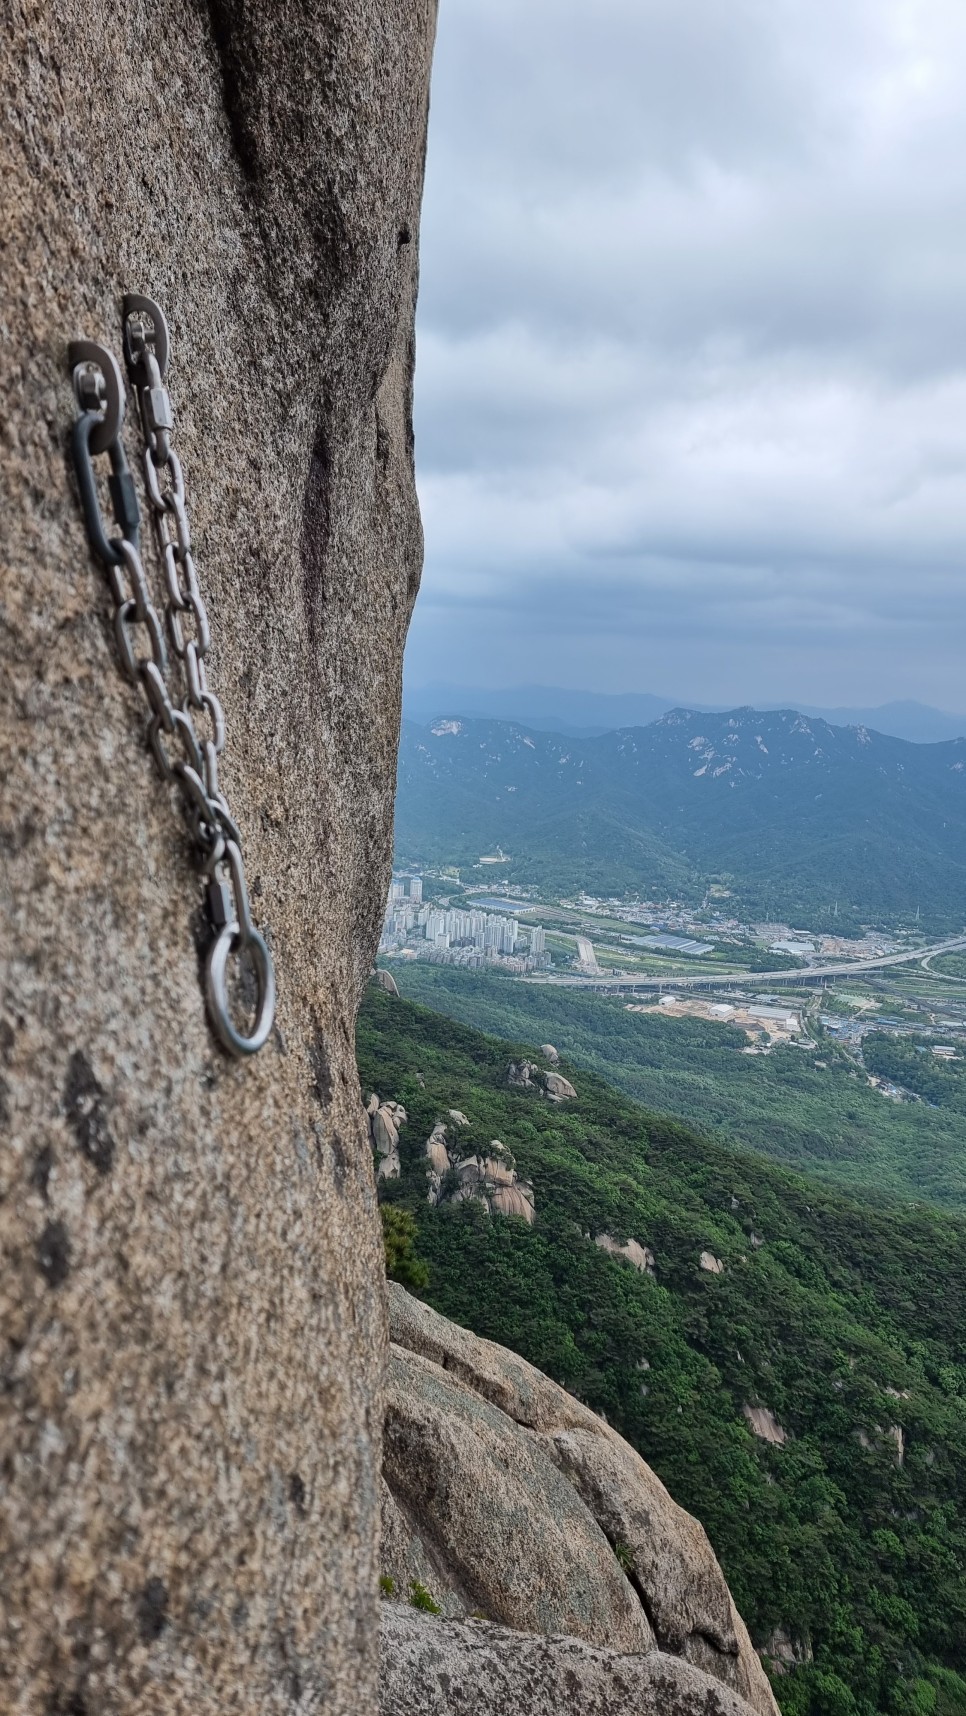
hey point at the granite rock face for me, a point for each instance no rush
(191, 1295)
(516, 1539)
(471, 1669)
(514, 1504)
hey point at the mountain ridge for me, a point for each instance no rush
(590, 713)
(791, 814)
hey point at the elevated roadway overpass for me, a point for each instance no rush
(617, 982)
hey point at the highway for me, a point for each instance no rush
(758, 979)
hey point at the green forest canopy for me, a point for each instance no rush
(846, 1322)
(824, 1120)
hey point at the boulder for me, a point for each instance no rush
(489, 1178)
(762, 1421)
(499, 1165)
(385, 1137)
(710, 1264)
(525, 1076)
(550, 1054)
(507, 1381)
(470, 1668)
(641, 1256)
(384, 1124)
(384, 980)
(439, 1161)
(470, 1433)
(784, 1652)
(406, 1561)
(515, 1200)
(457, 1117)
(190, 1421)
(436, 1151)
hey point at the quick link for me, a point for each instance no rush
(181, 753)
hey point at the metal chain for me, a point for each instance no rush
(182, 754)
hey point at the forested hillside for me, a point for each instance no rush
(822, 1119)
(796, 817)
(845, 1543)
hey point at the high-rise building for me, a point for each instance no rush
(538, 939)
(416, 889)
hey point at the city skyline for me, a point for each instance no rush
(470, 934)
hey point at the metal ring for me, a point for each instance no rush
(216, 991)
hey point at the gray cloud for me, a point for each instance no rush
(691, 384)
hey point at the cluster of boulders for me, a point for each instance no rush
(527, 1076)
(458, 1171)
(385, 1119)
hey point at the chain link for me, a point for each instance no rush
(184, 756)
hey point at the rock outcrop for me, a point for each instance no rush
(641, 1256)
(194, 1324)
(526, 1076)
(513, 1504)
(489, 1176)
(550, 1054)
(558, 1088)
(385, 980)
(467, 1668)
(763, 1422)
(520, 1073)
(385, 1119)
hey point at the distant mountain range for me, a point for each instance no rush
(586, 714)
(799, 819)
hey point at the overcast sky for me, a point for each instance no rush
(691, 373)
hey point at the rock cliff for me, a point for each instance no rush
(563, 1574)
(191, 1300)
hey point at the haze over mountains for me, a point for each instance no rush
(797, 818)
(582, 714)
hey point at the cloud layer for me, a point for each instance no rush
(691, 381)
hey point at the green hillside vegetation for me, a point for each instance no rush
(910, 1062)
(825, 1121)
(950, 965)
(845, 1322)
(799, 820)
